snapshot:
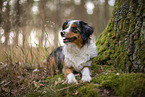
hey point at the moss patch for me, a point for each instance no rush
(88, 90)
(99, 69)
(124, 85)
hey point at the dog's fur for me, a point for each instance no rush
(77, 52)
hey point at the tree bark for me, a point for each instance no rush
(122, 44)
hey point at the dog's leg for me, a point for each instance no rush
(70, 76)
(86, 74)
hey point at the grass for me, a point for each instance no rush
(16, 68)
(23, 74)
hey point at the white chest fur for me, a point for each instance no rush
(76, 57)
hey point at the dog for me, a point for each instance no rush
(77, 52)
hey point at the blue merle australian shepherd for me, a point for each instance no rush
(77, 52)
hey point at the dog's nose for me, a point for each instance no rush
(62, 34)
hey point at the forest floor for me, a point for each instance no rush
(107, 81)
(23, 78)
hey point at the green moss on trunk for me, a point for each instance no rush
(123, 41)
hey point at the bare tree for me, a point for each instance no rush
(18, 21)
(106, 12)
(1, 6)
(43, 17)
(27, 21)
(58, 22)
(6, 22)
(96, 19)
(82, 11)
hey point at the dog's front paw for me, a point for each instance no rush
(71, 78)
(86, 78)
(86, 75)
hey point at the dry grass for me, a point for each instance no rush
(19, 68)
(25, 55)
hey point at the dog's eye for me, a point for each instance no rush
(65, 26)
(74, 29)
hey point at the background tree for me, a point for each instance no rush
(123, 41)
(1, 3)
(97, 16)
(27, 21)
(106, 12)
(18, 21)
(58, 21)
(43, 19)
(6, 22)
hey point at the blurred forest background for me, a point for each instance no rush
(36, 22)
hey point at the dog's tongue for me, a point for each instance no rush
(65, 40)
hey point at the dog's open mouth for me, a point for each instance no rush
(66, 40)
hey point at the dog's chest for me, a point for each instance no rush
(76, 57)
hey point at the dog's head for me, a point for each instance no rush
(76, 31)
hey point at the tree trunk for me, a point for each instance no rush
(82, 11)
(58, 22)
(18, 21)
(1, 6)
(96, 19)
(43, 17)
(27, 22)
(122, 44)
(7, 23)
(106, 12)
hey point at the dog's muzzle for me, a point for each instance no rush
(66, 39)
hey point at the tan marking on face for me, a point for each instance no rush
(67, 25)
(73, 25)
(78, 41)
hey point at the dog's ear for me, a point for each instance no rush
(86, 30)
(65, 23)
